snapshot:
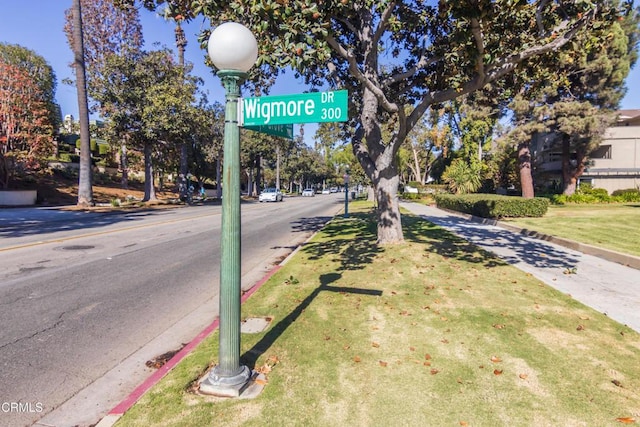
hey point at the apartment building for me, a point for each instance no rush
(615, 165)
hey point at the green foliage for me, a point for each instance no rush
(627, 195)
(103, 149)
(69, 157)
(462, 177)
(586, 194)
(493, 205)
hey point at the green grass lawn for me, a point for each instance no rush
(430, 332)
(611, 226)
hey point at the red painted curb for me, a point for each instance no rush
(136, 394)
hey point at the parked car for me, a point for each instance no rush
(270, 194)
(326, 191)
(334, 189)
(308, 192)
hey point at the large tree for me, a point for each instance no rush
(146, 107)
(106, 30)
(85, 187)
(398, 58)
(572, 104)
(28, 114)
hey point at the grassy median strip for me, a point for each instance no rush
(611, 226)
(432, 331)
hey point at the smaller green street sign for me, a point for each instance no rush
(312, 107)
(283, 131)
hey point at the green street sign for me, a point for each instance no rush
(283, 131)
(313, 107)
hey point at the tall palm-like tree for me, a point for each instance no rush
(85, 188)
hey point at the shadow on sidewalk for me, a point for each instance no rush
(533, 252)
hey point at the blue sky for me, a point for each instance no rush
(38, 25)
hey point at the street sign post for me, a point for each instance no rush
(312, 107)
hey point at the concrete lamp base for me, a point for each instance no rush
(223, 386)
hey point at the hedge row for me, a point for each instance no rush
(586, 194)
(493, 205)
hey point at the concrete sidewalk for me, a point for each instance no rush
(606, 286)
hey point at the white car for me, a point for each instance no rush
(308, 192)
(326, 191)
(270, 194)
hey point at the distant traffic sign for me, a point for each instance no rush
(283, 131)
(313, 107)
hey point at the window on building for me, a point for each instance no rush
(602, 152)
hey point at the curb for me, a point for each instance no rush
(119, 410)
(116, 413)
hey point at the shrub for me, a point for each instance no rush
(461, 177)
(103, 150)
(68, 157)
(493, 205)
(626, 195)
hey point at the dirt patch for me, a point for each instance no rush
(59, 189)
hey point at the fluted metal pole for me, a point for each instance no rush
(229, 377)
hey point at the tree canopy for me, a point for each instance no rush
(29, 115)
(400, 58)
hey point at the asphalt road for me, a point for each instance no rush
(85, 295)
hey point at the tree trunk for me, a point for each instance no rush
(85, 188)
(250, 180)
(258, 175)
(389, 220)
(379, 163)
(278, 168)
(572, 172)
(524, 163)
(124, 166)
(149, 189)
(569, 180)
(416, 169)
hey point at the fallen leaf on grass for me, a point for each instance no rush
(626, 420)
(375, 344)
(464, 423)
(498, 326)
(260, 381)
(357, 359)
(496, 359)
(383, 363)
(497, 372)
(412, 349)
(427, 363)
(427, 356)
(523, 376)
(580, 328)
(434, 371)
(617, 383)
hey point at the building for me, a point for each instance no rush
(615, 165)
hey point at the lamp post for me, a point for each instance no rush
(346, 193)
(233, 50)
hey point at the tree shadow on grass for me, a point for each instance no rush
(464, 244)
(440, 241)
(251, 356)
(350, 241)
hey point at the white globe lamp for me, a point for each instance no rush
(232, 46)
